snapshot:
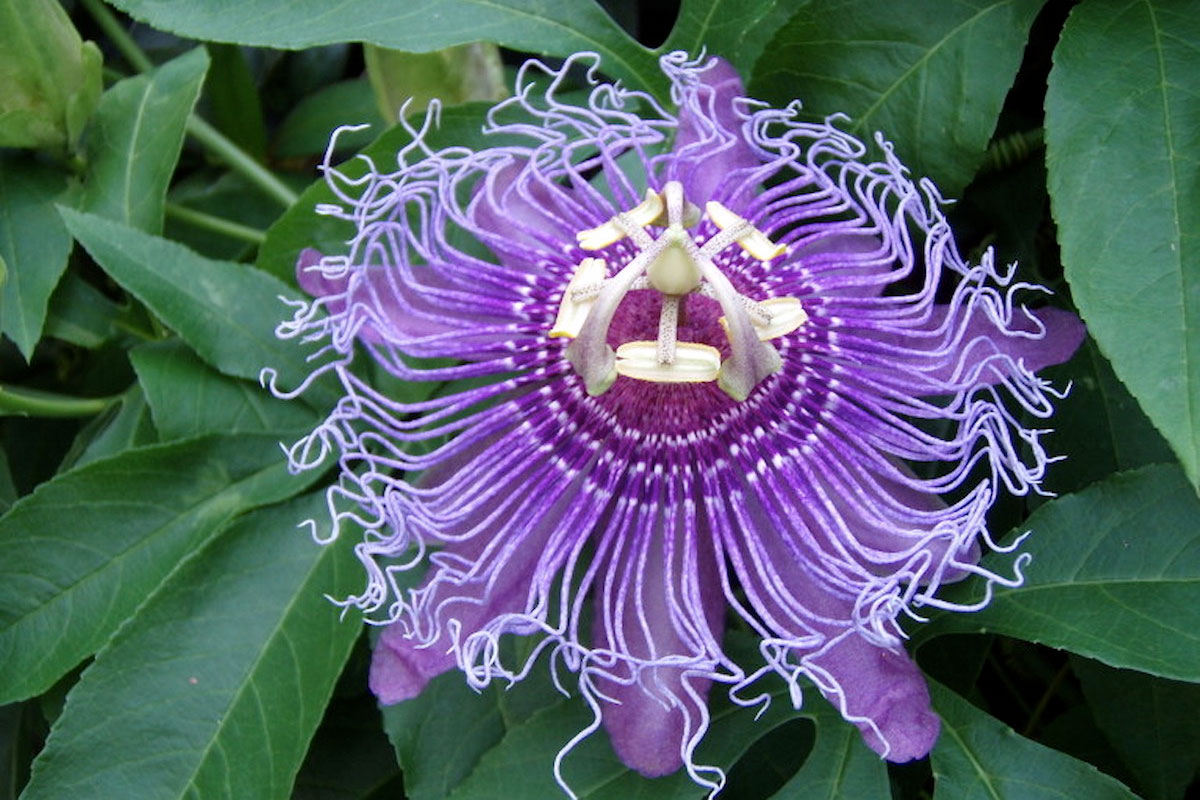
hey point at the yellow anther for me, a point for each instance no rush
(643, 214)
(785, 315)
(571, 312)
(693, 363)
(750, 239)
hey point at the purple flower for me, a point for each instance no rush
(693, 363)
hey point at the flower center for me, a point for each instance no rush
(674, 265)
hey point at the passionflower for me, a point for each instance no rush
(682, 364)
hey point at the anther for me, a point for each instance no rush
(622, 225)
(748, 237)
(578, 298)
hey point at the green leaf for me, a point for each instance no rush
(840, 766)
(215, 688)
(1153, 723)
(1114, 576)
(81, 314)
(227, 312)
(34, 245)
(51, 79)
(977, 757)
(233, 100)
(125, 424)
(187, 398)
(135, 140)
(440, 735)
(228, 196)
(85, 549)
(8, 490)
(419, 26)
(305, 130)
(1098, 425)
(1124, 169)
(932, 79)
(455, 75)
(521, 765)
(735, 30)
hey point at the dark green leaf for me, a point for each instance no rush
(1124, 168)
(233, 99)
(188, 398)
(1098, 425)
(1114, 576)
(227, 312)
(34, 247)
(350, 758)
(978, 757)
(840, 766)
(1152, 722)
(735, 30)
(932, 79)
(79, 554)
(215, 688)
(521, 766)
(455, 75)
(228, 196)
(51, 79)
(8, 490)
(440, 735)
(537, 26)
(79, 313)
(305, 131)
(135, 139)
(125, 424)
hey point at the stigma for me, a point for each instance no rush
(675, 264)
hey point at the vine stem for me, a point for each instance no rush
(209, 137)
(19, 402)
(225, 227)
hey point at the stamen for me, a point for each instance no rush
(748, 237)
(775, 317)
(693, 363)
(623, 224)
(578, 298)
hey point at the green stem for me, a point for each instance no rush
(239, 160)
(225, 227)
(208, 136)
(119, 36)
(20, 402)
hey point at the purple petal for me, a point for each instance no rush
(884, 694)
(655, 712)
(709, 147)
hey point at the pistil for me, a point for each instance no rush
(675, 266)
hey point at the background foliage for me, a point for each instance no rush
(163, 628)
